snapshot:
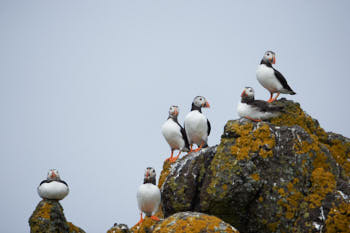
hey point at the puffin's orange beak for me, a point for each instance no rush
(53, 175)
(243, 94)
(273, 60)
(147, 174)
(176, 112)
(207, 105)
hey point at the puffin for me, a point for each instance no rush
(53, 188)
(148, 195)
(256, 110)
(272, 79)
(174, 134)
(197, 126)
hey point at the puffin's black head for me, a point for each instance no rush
(150, 176)
(269, 57)
(247, 95)
(53, 174)
(173, 112)
(199, 102)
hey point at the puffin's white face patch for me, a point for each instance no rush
(53, 174)
(199, 101)
(150, 172)
(174, 110)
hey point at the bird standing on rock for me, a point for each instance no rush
(53, 188)
(272, 79)
(148, 195)
(174, 134)
(256, 110)
(197, 126)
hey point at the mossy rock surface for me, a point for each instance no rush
(285, 175)
(192, 222)
(48, 217)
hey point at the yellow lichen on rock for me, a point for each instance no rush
(341, 153)
(294, 115)
(339, 219)
(145, 227)
(165, 172)
(191, 222)
(252, 141)
(323, 182)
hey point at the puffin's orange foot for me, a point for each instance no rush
(174, 159)
(198, 149)
(139, 222)
(155, 218)
(270, 100)
(249, 118)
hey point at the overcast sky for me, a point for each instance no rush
(86, 85)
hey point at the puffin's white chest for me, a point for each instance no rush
(172, 134)
(53, 190)
(246, 110)
(196, 127)
(266, 77)
(148, 198)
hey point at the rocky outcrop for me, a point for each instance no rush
(119, 228)
(191, 222)
(286, 175)
(48, 217)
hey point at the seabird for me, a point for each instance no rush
(53, 188)
(256, 110)
(148, 195)
(197, 126)
(174, 134)
(272, 79)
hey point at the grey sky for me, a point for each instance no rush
(86, 85)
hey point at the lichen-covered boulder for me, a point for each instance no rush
(119, 228)
(286, 175)
(192, 222)
(180, 189)
(146, 226)
(48, 217)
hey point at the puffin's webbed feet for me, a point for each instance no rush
(273, 99)
(171, 157)
(155, 218)
(175, 158)
(199, 148)
(252, 119)
(141, 220)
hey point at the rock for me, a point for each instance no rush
(48, 217)
(286, 175)
(119, 228)
(192, 222)
(146, 226)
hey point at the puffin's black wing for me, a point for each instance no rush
(209, 127)
(48, 181)
(184, 135)
(44, 181)
(264, 106)
(62, 181)
(283, 81)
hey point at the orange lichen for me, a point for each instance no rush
(145, 226)
(45, 210)
(252, 141)
(341, 153)
(255, 176)
(338, 219)
(165, 172)
(323, 182)
(193, 224)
